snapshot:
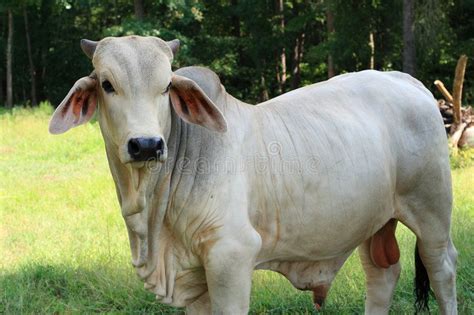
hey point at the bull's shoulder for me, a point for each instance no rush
(207, 80)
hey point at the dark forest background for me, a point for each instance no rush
(259, 48)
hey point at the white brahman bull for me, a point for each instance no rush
(212, 188)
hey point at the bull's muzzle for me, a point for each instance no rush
(145, 149)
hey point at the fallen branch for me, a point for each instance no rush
(443, 91)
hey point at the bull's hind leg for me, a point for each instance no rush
(438, 262)
(380, 282)
(437, 268)
(428, 215)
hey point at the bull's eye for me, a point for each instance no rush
(107, 86)
(167, 88)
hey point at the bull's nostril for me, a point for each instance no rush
(159, 145)
(144, 149)
(134, 147)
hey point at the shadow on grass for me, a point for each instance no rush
(34, 289)
(38, 288)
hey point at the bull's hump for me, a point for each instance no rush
(207, 80)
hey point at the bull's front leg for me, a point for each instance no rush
(229, 266)
(201, 306)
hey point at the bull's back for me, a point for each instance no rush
(391, 111)
(339, 150)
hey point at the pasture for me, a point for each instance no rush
(64, 245)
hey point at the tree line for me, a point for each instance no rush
(259, 48)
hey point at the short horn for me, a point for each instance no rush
(174, 45)
(88, 47)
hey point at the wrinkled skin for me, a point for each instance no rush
(292, 185)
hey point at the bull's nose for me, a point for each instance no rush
(144, 149)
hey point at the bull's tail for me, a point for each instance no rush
(422, 284)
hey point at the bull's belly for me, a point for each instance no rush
(316, 242)
(307, 275)
(321, 224)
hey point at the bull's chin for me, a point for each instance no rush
(141, 171)
(149, 164)
(136, 164)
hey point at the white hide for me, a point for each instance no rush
(294, 185)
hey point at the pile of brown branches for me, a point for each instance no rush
(458, 120)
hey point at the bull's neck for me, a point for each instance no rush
(160, 194)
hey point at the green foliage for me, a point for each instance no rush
(462, 158)
(65, 248)
(242, 40)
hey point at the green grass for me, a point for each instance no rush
(64, 246)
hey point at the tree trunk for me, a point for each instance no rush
(2, 75)
(30, 60)
(281, 77)
(263, 89)
(41, 48)
(409, 53)
(9, 57)
(457, 88)
(283, 70)
(2, 99)
(297, 56)
(139, 11)
(235, 19)
(277, 72)
(372, 50)
(330, 29)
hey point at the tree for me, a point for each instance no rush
(30, 59)
(297, 58)
(281, 68)
(139, 10)
(330, 30)
(300, 26)
(9, 58)
(409, 53)
(259, 49)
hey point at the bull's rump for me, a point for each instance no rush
(359, 140)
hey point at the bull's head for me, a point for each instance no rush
(134, 85)
(135, 92)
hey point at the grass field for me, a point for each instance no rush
(64, 247)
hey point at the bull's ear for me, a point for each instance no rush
(77, 107)
(174, 45)
(194, 106)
